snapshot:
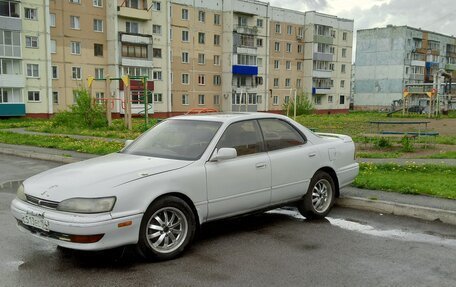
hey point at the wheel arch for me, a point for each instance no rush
(184, 198)
(333, 175)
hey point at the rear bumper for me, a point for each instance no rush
(63, 225)
(347, 174)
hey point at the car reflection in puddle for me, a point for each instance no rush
(367, 229)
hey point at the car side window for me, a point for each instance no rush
(279, 134)
(244, 136)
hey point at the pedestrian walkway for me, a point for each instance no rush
(403, 161)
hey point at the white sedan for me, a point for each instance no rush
(184, 172)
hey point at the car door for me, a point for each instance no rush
(241, 184)
(293, 160)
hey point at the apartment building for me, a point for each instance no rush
(391, 58)
(235, 55)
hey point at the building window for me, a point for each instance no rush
(75, 1)
(52, 19)
(157, 53)
(299, 66)
(277, 28)
(275, 100)
(259, 99)
(300, 49)
(31, 42)
(287, 82)
(184, 36)
(98, 50)
(201, 99)
(260, 62)
(53, 47)
(185, 99)
(156, 5)
(288, 65)
(55, 97)
(75, 23)
(76, 73)
(76, 48)
(184, 14)
(134, 51)
(344, 53)
(132, 27)
(342, 69)
(185, 79)
(184, 57)
(332, 50)
(216, 100)
(216, 19)
(277, 46)
(99, 96)
(31, 14)
(217, 80)
(99, 73)
(201, 80)
(201, 16)
(157, 75)
(33, 71)
(158, 97)
(330, 99)
(98, 3)
(217, 40)
(156, 29)
(259, 42)
(201, 37)
(331, 67)
(276, 82)
(342, 83)
(276, 64)
(55, 72)
(9, 9)
(298, 83)
(217, 60)
(98, 25)
(341, 100)
(289, 29)
(333, 34)
(289, 47)
(286, 100)
(201, 59)
(33, 96)
(259, 23)
(317, 100)
(344, 36)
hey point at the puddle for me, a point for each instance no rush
(427, 237)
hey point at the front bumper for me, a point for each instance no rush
(63, 225)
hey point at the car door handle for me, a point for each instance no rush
(260, 165)
(312, 154)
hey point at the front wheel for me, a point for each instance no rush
(320, 196)
(167, 228)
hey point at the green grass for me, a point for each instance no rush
(99, 147)
(443, 155)
(434, 180)
(378, 154)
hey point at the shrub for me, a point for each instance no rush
(303, 105)
(82, 114)
(382, 143)
(407, 144)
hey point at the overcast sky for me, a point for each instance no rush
(432, 15)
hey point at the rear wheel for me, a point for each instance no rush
(320, 196)
(167, 228)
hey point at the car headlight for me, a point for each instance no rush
(87, 205)
(20, 193)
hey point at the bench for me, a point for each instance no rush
(419, 134)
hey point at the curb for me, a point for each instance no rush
(400, 209)
(38, 155)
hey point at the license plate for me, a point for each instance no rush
(36, 222)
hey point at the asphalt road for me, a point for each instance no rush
(279, 248)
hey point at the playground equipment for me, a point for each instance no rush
(127, 84)
(413, 96)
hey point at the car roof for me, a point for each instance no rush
(228, 117)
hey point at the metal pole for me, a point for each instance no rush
(295, 103)
(146, 104)
(108, 101)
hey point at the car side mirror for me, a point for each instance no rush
(128, 142)
(224, 154)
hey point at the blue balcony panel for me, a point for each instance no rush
(12, 110)
(245, 70)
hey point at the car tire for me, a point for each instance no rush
(320, 196)
(167, 228)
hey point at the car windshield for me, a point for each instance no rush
(175, 139)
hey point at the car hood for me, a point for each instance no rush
(97, 177)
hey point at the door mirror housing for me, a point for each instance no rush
(128, 142)
(224, 154)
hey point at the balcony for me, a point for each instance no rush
(136, 62)
(417, 77)
(321, 90)
(450, 67)
(12, 81)
(250, 30)
(418, 63)
(245, 70)
(12, 110)
(322, 73)
(246, 50)
(138, 14)
(323, 57)
(323, 39)
(426, 51)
